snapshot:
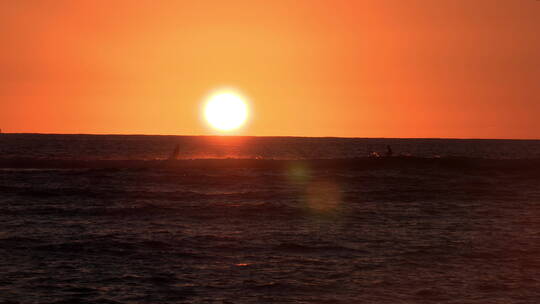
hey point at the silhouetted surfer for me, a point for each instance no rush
(389, 151)
(175, 152)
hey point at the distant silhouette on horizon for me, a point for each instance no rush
(175, 153)
(389, 151)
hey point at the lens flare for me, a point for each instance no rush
(323, 196)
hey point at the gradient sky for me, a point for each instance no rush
(406, 68)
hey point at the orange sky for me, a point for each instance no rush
(404, 68)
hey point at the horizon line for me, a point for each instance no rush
(290, 136)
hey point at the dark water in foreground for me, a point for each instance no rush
(400, 230)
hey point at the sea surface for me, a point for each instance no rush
(108, 219)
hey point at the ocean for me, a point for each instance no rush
(109, 219)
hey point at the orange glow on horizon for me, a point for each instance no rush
(386, 68)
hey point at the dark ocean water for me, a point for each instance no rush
(102, 219)
(122, 147)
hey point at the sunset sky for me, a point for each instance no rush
(380, 68)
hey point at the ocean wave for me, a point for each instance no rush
(306, 249)
(364, 163)
(150, 195)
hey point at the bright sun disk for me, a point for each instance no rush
(226, 110)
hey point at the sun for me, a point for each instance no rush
(226, 110)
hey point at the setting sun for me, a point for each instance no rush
(303, 151)
(226, 110)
